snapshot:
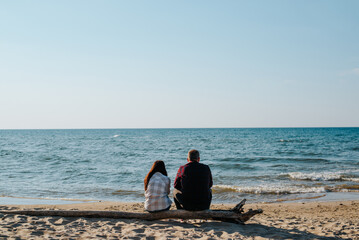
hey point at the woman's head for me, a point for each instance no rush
(158, 166)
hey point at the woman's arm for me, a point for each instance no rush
(168, 185)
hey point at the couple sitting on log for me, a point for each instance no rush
(192, 191)
(192, 186)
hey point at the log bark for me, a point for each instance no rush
(234, 215)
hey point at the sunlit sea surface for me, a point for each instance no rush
(264, 164)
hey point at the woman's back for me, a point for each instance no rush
(157, 192)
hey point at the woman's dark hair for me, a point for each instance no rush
(158, 166)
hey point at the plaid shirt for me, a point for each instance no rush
(157, 192)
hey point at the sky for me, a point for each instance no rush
(178, 64)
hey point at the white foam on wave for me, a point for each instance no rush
(343, 175)
(5, 200)
(351, 179)
(316, 176)
(115, 136)
(268, 189)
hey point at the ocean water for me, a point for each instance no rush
(263, 164)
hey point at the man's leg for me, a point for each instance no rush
(202, 206)
(177, 196)
(210, 199)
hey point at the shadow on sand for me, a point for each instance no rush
(250, 231)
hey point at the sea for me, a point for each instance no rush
(259, 164)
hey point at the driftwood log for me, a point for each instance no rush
(235, 214)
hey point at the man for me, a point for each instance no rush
(192, 187)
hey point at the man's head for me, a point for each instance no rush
(193, 156)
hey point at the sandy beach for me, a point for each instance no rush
(310, 220)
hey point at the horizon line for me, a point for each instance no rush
(149, 128)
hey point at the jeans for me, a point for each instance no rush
(166, 209)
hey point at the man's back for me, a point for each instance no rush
(194, 180)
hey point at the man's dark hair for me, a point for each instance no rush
(193, 155)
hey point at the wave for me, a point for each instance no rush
(272, 189)
(128, 193)
(279, 165)
(275, 159)
(262, 189)
(323, 176)
(13, 153)
(343, 188)
(293, 140)
(351, 179)
(237, 166)
(309, 160)
(4, 200)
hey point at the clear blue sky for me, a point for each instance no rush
(160, 64)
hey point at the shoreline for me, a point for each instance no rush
(324, 197)
(283, 220)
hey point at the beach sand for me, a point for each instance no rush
(310, 220)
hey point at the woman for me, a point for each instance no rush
(157, 188)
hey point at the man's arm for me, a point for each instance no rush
(210, 178)
(178, 179)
